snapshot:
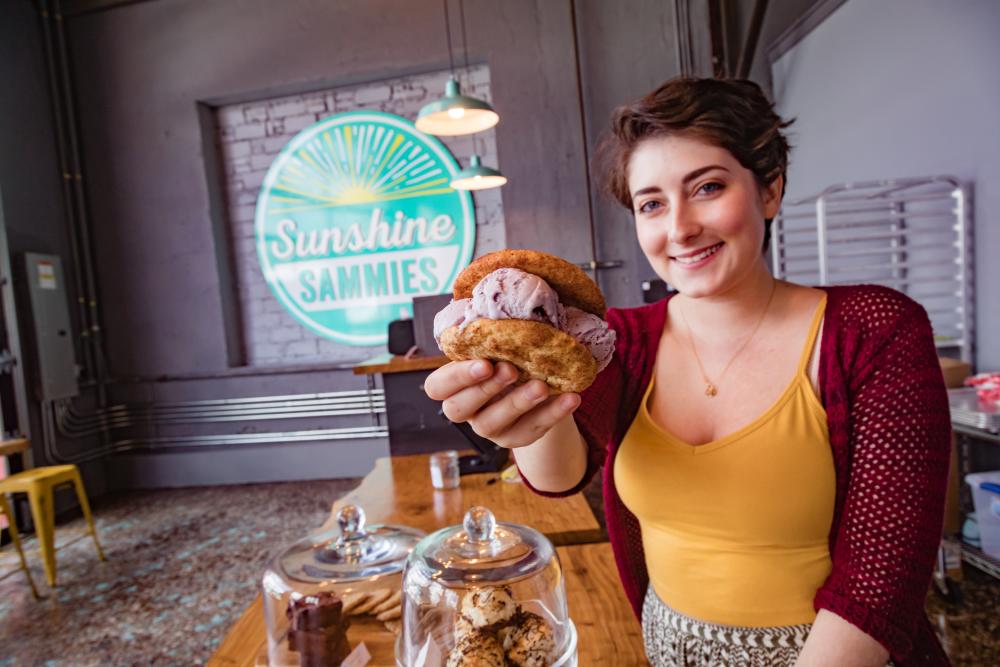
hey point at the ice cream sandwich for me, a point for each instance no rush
(537, 311)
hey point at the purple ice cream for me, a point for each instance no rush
(592, 332)
(452, 315)
(512, 294)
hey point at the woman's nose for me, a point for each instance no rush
(682, 225)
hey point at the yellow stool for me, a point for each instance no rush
(16, 539)
(39, 483)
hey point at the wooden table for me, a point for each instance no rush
(398, 490)
(608, 632)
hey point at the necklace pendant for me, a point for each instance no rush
(710, 390)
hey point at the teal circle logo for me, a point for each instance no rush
(355, 218)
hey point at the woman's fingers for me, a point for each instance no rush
(455, 376)
(537, 423)
(482, 394)
(523, 415)
(464, 404)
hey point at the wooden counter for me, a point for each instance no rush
(608, 632)
(393, 363)
(398, 490)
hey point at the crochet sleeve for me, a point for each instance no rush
(889, 526)
(595, 417)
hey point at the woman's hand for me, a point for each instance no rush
(833, 642)
(481, 393)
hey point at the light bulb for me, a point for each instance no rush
(456, 112)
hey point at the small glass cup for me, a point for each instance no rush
(444, 470)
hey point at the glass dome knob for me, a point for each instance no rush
(479, 524)
(351, 520)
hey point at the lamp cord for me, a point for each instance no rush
(465, 45)
(447, 32)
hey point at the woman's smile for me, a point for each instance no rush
(697, 258)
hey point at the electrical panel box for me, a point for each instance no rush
(52, 329)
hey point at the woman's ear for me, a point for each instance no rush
(772, 197)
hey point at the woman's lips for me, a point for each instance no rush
(698, 259)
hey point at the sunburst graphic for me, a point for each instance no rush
(356, 163)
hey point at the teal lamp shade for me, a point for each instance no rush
(456, 114)
(477, 177)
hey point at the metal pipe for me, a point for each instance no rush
(861, 271)
(84, 227)
(964, 231)
(197, 412)
(148, 413)
(890, 186)
(58, 418)
(894, 283)
(821, 238)
(592, 228)
(753, 35)
(66, 176)
(885, 235)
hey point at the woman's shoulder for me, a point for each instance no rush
(871, 308)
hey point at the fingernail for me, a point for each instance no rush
(480, 370)
(569, 402)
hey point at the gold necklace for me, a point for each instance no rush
(710, 388)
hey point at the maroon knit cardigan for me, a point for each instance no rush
(887, 412)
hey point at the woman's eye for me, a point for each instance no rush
(649, 206)
(710, 188)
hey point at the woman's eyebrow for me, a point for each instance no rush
(698, 172)
(687, 179)
(646, 191)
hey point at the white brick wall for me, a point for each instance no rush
(251, 135)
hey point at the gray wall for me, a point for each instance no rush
(904, 88)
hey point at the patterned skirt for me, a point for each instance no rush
(675, 640)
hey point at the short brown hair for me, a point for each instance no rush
(730, 113)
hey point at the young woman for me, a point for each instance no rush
(775, 456)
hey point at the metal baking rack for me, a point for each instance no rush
(913, 235)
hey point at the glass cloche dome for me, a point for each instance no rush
(312, 587)
(485, 594)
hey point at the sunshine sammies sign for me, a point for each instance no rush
(355, 218)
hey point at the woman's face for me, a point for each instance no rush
(699, 214)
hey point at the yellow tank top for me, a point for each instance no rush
(735, 531)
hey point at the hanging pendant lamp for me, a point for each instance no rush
(477, 177)
(456, 114)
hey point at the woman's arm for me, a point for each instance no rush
(557, 461)
(888, 525)
(528, 417)
(833, 642)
